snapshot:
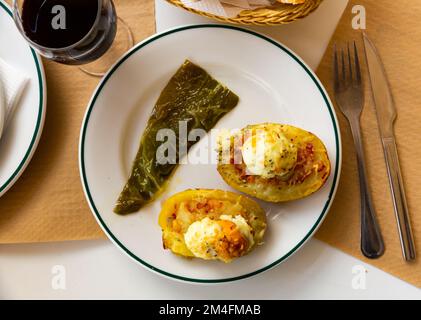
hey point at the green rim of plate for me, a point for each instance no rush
(82, 154)
(34, 139)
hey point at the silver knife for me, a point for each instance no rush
(386, 115)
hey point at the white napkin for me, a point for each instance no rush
(12, 86)
(226, 8)
(2, 108)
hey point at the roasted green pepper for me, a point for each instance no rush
(193, 97)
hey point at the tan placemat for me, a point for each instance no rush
(47, 202)
(394, 26)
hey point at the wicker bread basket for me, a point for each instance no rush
(274, 15)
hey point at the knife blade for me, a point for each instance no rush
(386, 116)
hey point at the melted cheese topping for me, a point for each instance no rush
(268, 153)
(224, 239)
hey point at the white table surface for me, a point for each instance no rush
(98, 270)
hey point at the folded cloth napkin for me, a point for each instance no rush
(226, 8)
(12, 86)
(2, 108)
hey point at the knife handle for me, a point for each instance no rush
(372, 245)
(399, 199)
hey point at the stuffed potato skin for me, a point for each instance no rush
(309, 175)
(181, 210)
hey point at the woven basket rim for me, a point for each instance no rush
(275, 15)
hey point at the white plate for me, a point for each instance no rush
(273, 85)
(19, 141)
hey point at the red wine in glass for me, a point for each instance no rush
(67, 31)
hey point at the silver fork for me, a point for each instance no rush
(349, 95)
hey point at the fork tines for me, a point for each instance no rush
(342, 78)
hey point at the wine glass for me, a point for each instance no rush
(74, 32)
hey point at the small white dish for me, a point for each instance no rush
(273, 85)
(19, 141)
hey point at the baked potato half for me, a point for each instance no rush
(211, 224)
(293, 163)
